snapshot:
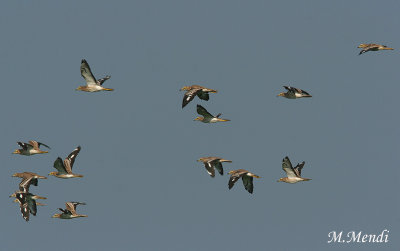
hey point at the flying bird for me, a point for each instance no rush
(27, 203)
(293, 174)
(92, 85)
(247, 178)
(293, 93)
(207, 117)
(193, 90)
(65, 167)
(212, 163)
(372, 47)
(28, 179)
(70, 211)
(30, 148)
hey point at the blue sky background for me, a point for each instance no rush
(143, 187)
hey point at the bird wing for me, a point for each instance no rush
(26, 182)
(218, 166)
(234, 177)
(32, 206)
(34, 144)
(69, 161)
(25, 146)
(71, 206)
(59, 165)
(368, 48)
(87, 73)
(248, 183)
(102, 80)
(23, 205)
(189, 96)
(41, 144)
(288, 168)
(210, 168)
(298, 168)
(203, 95)
(202, 111)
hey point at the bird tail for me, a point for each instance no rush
(306, 96)
(108, 89)
(305, 179)
(225, 160)
(223, 120)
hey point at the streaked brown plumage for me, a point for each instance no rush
(195, 90)
(212, 163)
(293, 174)
(247, 178)
(372, 47)
(70, 211)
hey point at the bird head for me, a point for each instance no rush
(16, 151)
(281, 179)
(80, 88)
(185, 88)
(362, 46)
(53, 173)
(198, 118)
(281, 94)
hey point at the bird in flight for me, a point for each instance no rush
(70, 211)
(193, 90)
(207, 117)
(293, 173)
(64, 168)
(247, 178)
(372, 47)
(92, 85)
(212, 163)
(293, 93)
(30, 148)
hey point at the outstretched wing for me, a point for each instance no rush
(59, 165)
(288, 168)
(87, 73)
(248, 183)
(26, 182)
(71, 206)
(210, 168)
(203, 95)
(202, 111)
(234, 177)
(218, 166)
(298, 168)
(102, 80)
(24, 146)
(69, 161)
(189, 96)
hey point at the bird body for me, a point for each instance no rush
(293, 173)
(212, 163)
(294, 93)
(28, 179)
(92, 85)
(65, 167)
(30, 148)
(247, 178)
(372, 47)
(195, 90)
(70, 211)
(207, 117)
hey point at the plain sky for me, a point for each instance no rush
(143, 187)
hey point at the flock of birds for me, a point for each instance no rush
(27, 201)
